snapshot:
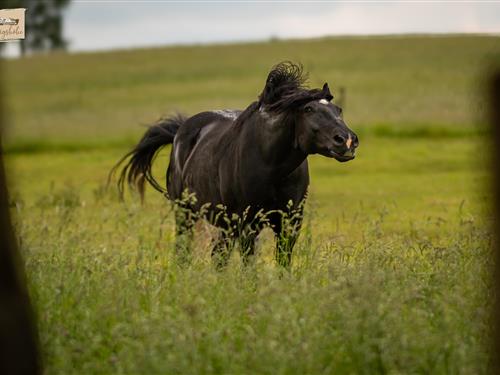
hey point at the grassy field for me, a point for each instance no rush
(391, 272)
(391, 82)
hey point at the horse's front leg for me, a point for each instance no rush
(286, 232)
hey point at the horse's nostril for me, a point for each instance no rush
(338, 139)
(355, 142)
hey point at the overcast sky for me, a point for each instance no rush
(97, 25)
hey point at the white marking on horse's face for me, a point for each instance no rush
(324, 101)
(349, 141)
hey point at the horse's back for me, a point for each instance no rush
(203, 129)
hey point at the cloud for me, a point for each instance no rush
(92, 26)
(385, 18)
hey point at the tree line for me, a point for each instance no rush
(44, 24)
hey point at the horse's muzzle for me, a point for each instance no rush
(346, 156)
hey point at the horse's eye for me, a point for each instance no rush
(308, 109)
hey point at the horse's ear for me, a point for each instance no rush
(326, 92)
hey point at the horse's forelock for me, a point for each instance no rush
(286, 77)
(286, 74)
(285, 88)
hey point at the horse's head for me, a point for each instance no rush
(320, 129)
(319, 126)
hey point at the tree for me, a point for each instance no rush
(43, 24)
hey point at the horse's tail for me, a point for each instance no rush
(137, 170)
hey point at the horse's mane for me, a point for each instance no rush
(245, 115)
(284, 91)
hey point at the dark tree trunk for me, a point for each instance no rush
(18, 334)
(495, 124)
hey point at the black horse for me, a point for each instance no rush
(243, 170)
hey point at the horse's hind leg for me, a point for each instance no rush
(184, 223)
(221, 250)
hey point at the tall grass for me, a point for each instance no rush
(111, 298)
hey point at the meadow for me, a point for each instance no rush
(392, 270)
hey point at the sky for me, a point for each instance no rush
(100, 25)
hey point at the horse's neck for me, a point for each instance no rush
(276, 143)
